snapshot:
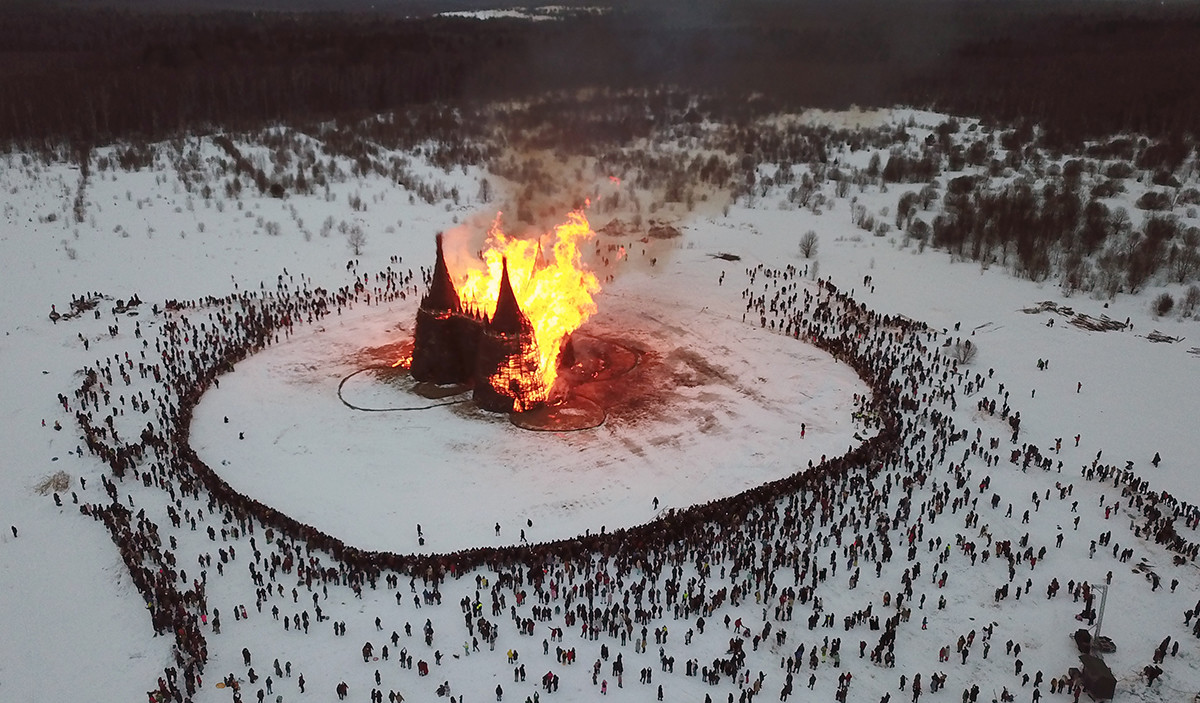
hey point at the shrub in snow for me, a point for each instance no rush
(1163, 304)
(1154, 200)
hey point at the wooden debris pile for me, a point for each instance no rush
(1157, 336)
(1083, 321)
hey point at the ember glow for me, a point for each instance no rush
(551, 284)
(404, 361)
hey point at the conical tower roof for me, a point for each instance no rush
(442, 294)
(539, 260)
(508, 318)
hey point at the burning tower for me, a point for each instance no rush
(446, 336)
(507, 364)
(499, 357)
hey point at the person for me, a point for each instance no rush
(499, 693)
(1152, 672)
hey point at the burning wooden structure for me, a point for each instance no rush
(507, 374)
(446, 334)
(497, 356)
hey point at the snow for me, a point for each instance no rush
(320, 459)
(534, 14)
(77, 629)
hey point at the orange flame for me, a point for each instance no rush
(404, 362)
(551, 283)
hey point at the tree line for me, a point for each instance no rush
(100, 75)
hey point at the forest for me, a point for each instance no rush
(91, 75)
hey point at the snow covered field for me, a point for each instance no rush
(458, 471)
(76, 628)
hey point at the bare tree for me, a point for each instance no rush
(808, 244)
(927, 197)
(1191, 299)
(964, 351)
(356, 239)
(1184, 262)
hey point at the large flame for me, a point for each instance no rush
(551, 283)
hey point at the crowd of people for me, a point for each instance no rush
(781, 544)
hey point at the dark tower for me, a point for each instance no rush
(443, 350)
(507, 366)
